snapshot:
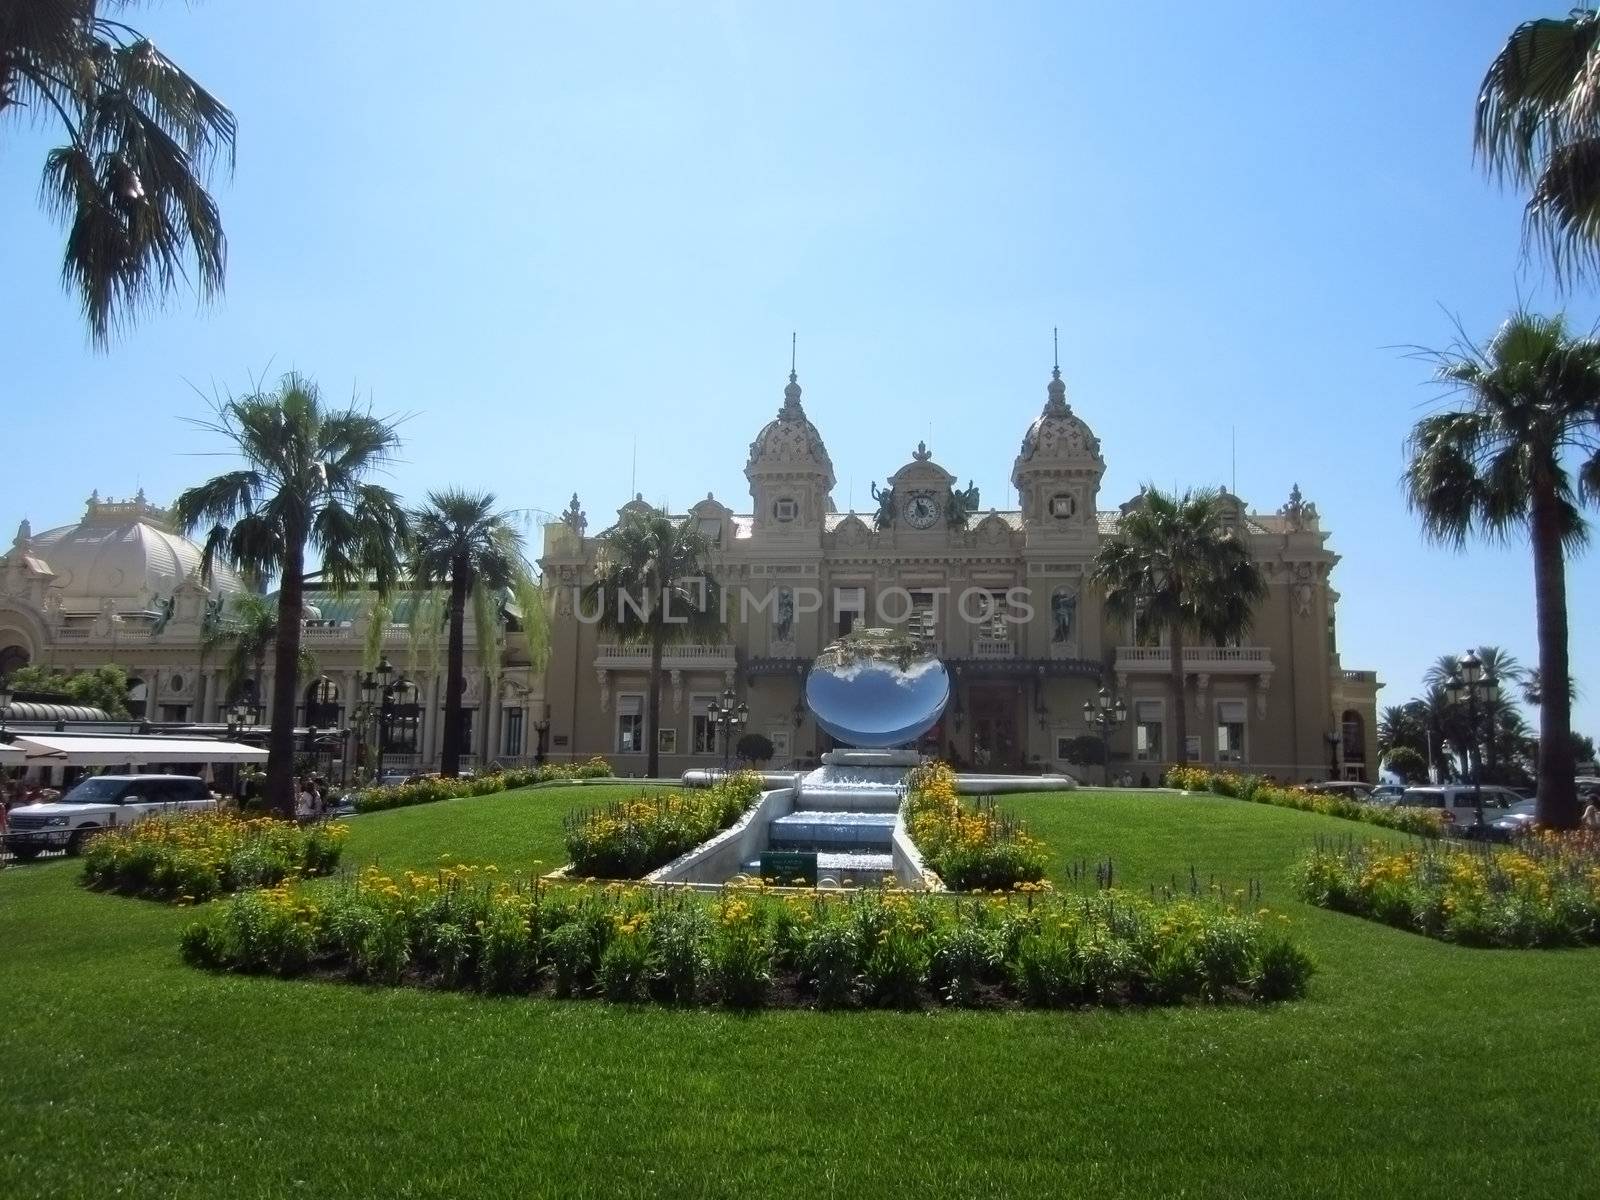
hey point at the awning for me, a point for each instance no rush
(10, 756)
(67, 751)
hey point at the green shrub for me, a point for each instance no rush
(1545, 891)
(195, 857)
(628, 839)
(1424, 822)
(427, 791)
(467, 928)
(971, 848)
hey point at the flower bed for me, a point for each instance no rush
(193, 858)
(630, 838)
(1424, 822)
(969, 846)
(1544, 892)
(426, 791)
(748, 947)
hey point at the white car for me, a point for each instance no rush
(101, 802)
(1458, 803)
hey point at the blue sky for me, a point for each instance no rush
(548, 232)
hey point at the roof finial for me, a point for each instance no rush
(794, 343)
(1055, 346)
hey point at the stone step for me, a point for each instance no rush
(848, 799)
(824, 828)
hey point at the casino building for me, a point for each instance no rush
(1004, 595)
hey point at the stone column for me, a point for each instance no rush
(492, 742)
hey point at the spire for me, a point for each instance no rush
(1056, 404)
(791, 410)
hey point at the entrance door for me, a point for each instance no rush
(994, 729)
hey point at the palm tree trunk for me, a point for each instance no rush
(455, 673)
(653, 705)
(1558, 795)
(286, 647)
(1180, 714)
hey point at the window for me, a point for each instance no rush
(630, 724)
(667, 741)
(711, 529)
(785, 508)
(511, 737)
(174, 712)
(1147, 743)
(702, 734)
(849, 603)
(1230, 731)
(1063, 505)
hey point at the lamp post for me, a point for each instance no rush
(1469, 685)
(238, 714)
(725, 717)
(1333, 739)
(540, 728)
(1105, 713)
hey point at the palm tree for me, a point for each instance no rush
(1401, 726)
(460, 541)
(1538, 126)
(653, 584)
(1499, 465)
(1175, 562)
(244, 638)
(304, 483)
(142, 137)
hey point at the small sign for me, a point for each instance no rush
(790, 867)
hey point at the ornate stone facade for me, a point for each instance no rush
(1030, 646)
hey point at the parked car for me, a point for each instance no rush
(1351, 789)
(1387, 794)
(1517, 820)
(101, 802)
(1460, 806)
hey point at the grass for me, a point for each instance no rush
(1415, 1069)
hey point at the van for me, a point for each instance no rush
(1458, 803)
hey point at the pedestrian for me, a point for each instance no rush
(305, 801)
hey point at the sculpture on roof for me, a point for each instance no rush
(1298, 514)
(960, 506)
(884, 517)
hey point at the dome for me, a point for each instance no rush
(123, 550)
(1058, 436)
(790, 441)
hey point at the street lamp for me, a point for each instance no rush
(1105, 714)
(1333, 739)
(238, 714)
(1470, 685)
(540, 728)
(726, 717)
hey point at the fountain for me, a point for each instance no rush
(840, 825)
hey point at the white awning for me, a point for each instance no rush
(67, 751)
(10, 756)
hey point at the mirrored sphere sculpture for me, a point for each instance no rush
(875, 689)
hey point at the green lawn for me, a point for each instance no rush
(1415, 1069)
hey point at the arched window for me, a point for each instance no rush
(1354, 730)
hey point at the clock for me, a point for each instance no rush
(922, 510)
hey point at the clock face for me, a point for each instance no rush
(922, 511)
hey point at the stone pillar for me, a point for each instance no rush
(492, 742)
